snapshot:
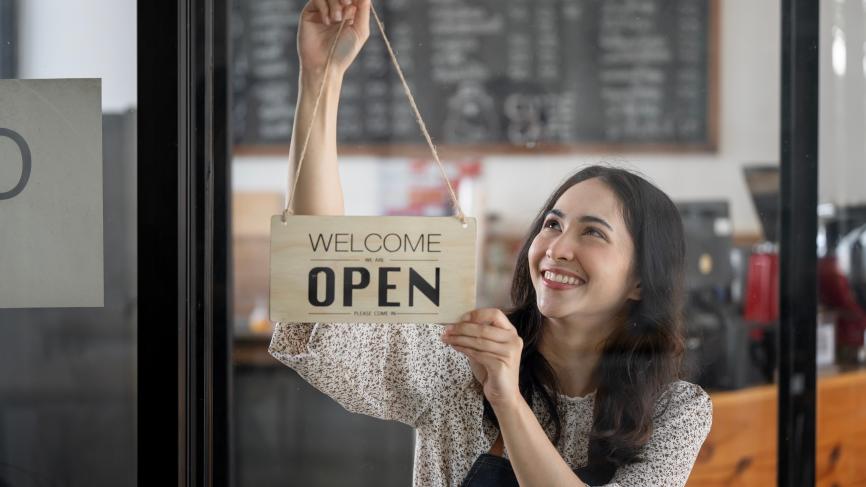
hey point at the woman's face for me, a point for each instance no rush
(585, 243)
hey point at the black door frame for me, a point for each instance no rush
(798, 261)
(184, 233)
(184, 188)
(8, 39)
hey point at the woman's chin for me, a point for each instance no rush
(552, 311)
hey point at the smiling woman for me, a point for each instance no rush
(577, 383)
(617, 331)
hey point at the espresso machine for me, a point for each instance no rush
(760, 277)
(732, 309)
(842, 277)
(716, 355)
(841, 249)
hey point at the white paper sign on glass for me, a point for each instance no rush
(51, 250)
(367, 269)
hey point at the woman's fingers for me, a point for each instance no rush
(350, 14)
(362, 17)
(329, 12)
(314, 16)
(485, 359)
(336, 10)
(478, 344)
(310, 13)
(482, 331)
(485, 331)
(492, 316)
(324, 11)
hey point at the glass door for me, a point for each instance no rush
(69, 302)
(151, 366)
(709, 100)
(841, 209)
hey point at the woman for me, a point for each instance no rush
(577, 385)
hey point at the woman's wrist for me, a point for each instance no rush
(508, 405)
(311, 78)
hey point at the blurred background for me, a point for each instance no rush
(518, 95)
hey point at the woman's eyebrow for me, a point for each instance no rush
(584, 218)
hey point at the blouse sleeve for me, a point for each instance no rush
(387, 371)
(680, 430)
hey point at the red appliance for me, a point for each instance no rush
(762, 285)
(842, 284)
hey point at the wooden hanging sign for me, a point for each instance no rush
(368, 269)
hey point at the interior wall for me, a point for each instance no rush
(81, 39)
(842, 115)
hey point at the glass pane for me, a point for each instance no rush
(841, 354)
(518, 97)
(68, 243)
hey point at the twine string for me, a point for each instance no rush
(418, 117)
(289, 209)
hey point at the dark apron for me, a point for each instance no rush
(495, 471)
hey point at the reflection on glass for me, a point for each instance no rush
(518, 98)
(840, 55)
(841, 240)
(68, 397)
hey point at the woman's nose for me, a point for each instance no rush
(560, 250)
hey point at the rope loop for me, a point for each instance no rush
(291, 197)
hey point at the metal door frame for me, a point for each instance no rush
(798, 261)
(184, 280)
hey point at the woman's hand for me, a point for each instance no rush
(320, 21)
(494, 348)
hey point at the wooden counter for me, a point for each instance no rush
(741, 447)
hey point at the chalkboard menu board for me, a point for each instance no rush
(514, 74)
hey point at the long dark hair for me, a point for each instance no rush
(642, 356)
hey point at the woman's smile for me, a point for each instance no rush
(560, 281)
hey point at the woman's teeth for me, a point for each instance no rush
(560, 278)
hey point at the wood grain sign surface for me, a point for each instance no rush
(367, 269)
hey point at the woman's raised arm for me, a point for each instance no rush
(318, 190)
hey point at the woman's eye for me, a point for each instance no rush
(551, 224)
(595, 231)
